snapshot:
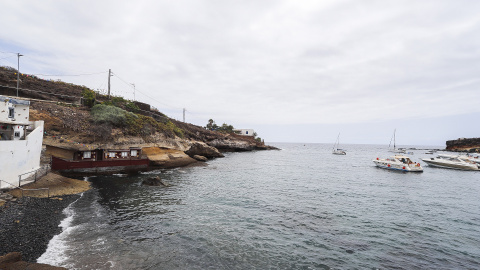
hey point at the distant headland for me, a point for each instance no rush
(470, 145)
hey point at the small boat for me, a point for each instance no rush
(394, 149)
(336, 150)
(398, 163)
(451, 162)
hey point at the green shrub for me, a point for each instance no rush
(132, 107)
(133, 124)
(108, 114)
(88, 97)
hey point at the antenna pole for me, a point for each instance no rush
(109, 75)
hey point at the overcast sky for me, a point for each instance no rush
(295, 71)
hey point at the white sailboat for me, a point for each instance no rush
(394, 149)
(336, 150)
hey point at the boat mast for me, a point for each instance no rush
(393, 138)
(337, 142)
(394, 146)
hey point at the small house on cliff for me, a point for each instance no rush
(245, 132)
(20, 142)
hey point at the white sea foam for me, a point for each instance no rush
(56, 250)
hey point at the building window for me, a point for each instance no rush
(133, 153)
(87, 154)
(17, 134)
(11, 112)
(124, 154)
(112, 154)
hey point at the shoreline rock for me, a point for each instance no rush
(14, 260)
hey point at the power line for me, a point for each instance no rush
(136, 89)
(71, 75)
(6, 57)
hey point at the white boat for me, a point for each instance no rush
(451, 162)
(394, 149)
(336, 150)
(473, 159)
(398, 163)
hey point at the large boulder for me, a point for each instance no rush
(200, 158)
(13, 261)
(203, 149)
(167, 158)
(155, 181)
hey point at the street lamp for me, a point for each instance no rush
(18, 70)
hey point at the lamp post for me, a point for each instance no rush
(18, 70)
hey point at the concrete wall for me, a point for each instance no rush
(18, 157)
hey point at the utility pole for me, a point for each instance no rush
(109, 75)
(184, 115)
(18, 70)
(133, 91)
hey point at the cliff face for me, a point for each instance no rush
(464, 145)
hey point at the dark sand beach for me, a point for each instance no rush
(28, 223)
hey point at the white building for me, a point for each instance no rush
(246, 132)
(20, 142)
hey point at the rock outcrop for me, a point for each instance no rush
(13, 261)
(155, 181)
(200, 158)
(471, 145)
(167, 158)
(203, 149)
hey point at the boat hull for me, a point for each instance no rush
(445, 165)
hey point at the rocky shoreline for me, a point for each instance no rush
(28, 224)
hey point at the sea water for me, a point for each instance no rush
(297, 208)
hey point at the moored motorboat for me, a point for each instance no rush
(451, 162)
(398, 163)
(473, 159)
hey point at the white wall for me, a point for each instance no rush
(21, 111)
(246, 132)
(18, 157)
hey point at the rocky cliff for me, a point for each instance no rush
(464, 145)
